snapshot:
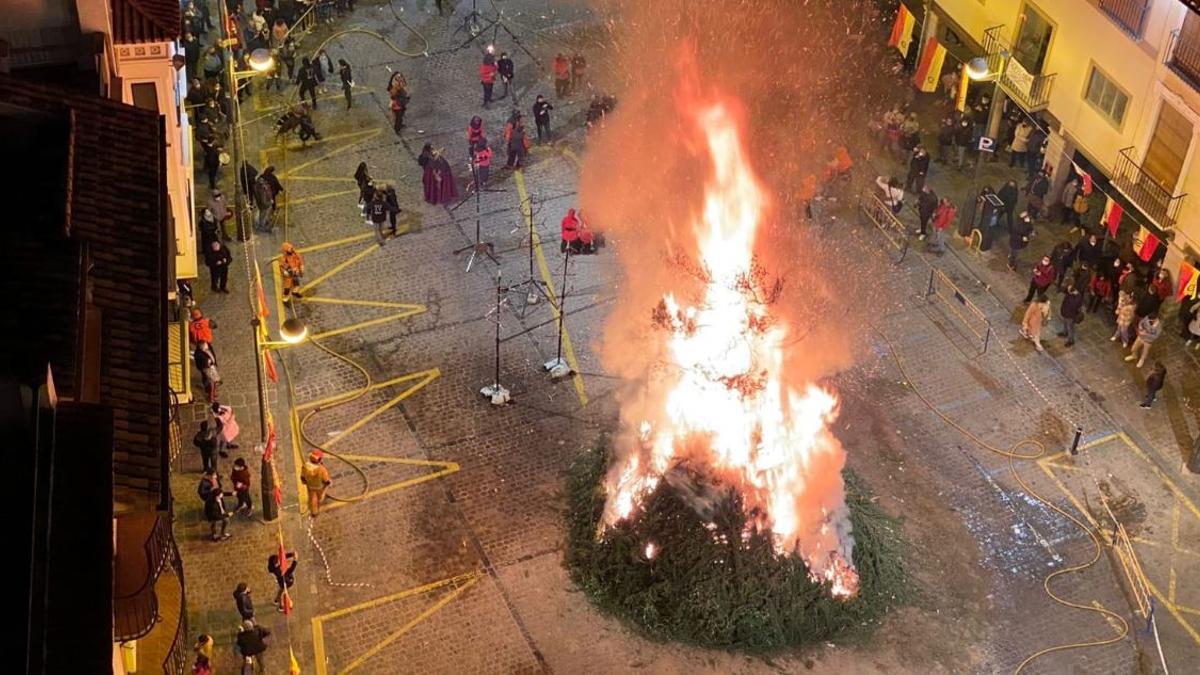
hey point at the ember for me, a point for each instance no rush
(725, 403)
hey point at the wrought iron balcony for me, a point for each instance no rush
(144, 546)
(1030, 90)
(1129, 15)
(1154, 199)
(1183, 56)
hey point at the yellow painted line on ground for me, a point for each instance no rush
(423, 378)
(318, 622)
(1176, 612)
(336, 242)
(330, 179)
(320, 196)
(361, 136)
(1183, 498)
(1045, 464)
(1152, 542)
(364, 303)
(1175, 523)
(307, 288)
(376, 385)
(1112, 622)
(321, 97)
(365, 324)
(444, 469)
(544, 268)
(1171, 585)
(1188, 610)
(570, 154)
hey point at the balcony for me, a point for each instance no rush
(1129, 15)
(1030, 91)
(1154, 200)
(148, 592)
(1183, 56)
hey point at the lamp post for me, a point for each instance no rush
(978, 70)
(293, 331)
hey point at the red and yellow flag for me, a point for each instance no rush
(269, 364)
(294, 665)
(1112, 215)
(263, 312)
(1187, 281)
(930, 68)
(964, 82)
(1145, 243)
(902, 30)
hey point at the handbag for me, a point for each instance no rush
(212, 374)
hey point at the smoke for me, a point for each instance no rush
(799, 75)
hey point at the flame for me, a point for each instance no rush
(723, 403)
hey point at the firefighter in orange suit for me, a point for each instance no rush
(291, 267)
(316, 480)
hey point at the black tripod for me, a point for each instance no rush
(558, 367)
(496, 392)
(534, 286)
(475, 25)
(478, 246)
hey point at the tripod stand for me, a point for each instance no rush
(558, 367)
(475, 25)
(534, 286)
(478, 246)
(496, 392)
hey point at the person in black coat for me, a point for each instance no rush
(217, 258)
(927, 203)
(205, 441)
(393, 207)
(347, 79)
(212, 163)
(506, 68)
(252, 643)
(541, 117)
(1018, 238)
(306, 78)
(214, 494)
(1070, 312)
(1009, 194)
(245, 605)
(918, 169)
(1089, 251)
(247, 175)
(1154, 383)
(282, 579)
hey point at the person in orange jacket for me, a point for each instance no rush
(562, 75)
(475, 133)
(200, 328)
(316, 480)
(487, 77)
(291, 267)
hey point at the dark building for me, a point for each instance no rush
(84, 398)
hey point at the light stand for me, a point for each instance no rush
(478, 246)
(534, 285)
(475, 24)
(495, 392)
(558, 367)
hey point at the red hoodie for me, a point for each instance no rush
(570, 226)
(487, 73)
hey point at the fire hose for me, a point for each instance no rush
(1037, 450)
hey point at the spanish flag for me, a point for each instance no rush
(269, 364)
(1187, 281)
(1112, 215)
(263, 312)
(902, 30)
(930, 68)
(1145, 243)
(294, 667)
(964, 83)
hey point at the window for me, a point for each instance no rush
(145, 95)
(1106, 98)
(1033, 40)
(1130, 15)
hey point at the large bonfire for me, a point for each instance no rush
(721, 406)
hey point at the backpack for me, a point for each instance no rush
(205, 489)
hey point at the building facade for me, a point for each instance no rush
(1117, 82)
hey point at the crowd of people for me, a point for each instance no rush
(1091, 272)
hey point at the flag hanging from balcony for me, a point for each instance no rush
(902, 30)
(1145, 243)
(1187, 281)
(929, 71)
(964, 83)
(263, 312)
(269, 364)
(1112, 215)
(1087, 178)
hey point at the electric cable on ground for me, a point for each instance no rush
(1038, 450)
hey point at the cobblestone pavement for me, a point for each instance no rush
(445, 556)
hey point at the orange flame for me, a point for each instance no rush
(725, 404)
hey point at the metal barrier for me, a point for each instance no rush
(880, 214)
(942, 288)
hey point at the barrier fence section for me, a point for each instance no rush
(971, 316)
(880, 214)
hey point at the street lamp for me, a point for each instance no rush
(977, 68)
(260, 60)
(293, 331)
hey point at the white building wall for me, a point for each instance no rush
(1085, 35)
(151, 62)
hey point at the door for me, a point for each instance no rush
(1168, 147)
(1033, 39)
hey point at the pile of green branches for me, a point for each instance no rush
(707, 586)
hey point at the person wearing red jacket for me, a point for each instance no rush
(475, 133)
(483, 163)
(1162, 284)
(562, 75)
(943, 217)
(1044, 274)
(487, 77)
(570, 233)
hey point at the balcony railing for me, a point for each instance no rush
(135, 605)
(1130, 15)
(1184, 54)
(176, 662)
(1031, 91)
(1155, 200)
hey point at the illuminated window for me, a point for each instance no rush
(1106, 97)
